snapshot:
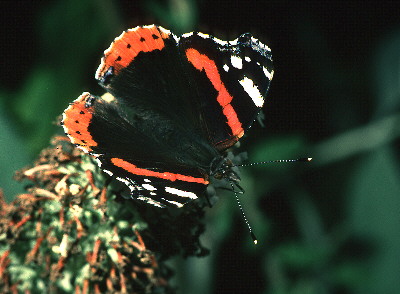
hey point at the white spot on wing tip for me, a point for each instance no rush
(252, 89)
(226, 67)
(268, 74)
(236, 61)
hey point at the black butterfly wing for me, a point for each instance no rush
(155, 185)
(213, 87)
(143, 70)
(239, 73)
(168, 116)
(136, 150)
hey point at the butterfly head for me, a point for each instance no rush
(222, 168)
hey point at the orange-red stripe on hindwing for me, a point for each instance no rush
(129, 167)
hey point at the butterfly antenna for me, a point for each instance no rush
(304, 159)
(253, 236)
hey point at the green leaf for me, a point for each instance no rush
(374, 206)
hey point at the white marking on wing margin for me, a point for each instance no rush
(150, 201)
(177, 204)
(268, 74)
(252, 90)
(236, 62)
(180, 193)
(149, 187)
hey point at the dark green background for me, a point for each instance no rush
(330, 226)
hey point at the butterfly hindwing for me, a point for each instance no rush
(154, 186)
(129, 152)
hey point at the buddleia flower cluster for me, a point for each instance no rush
(72, 232)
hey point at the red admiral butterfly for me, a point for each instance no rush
(176, 105)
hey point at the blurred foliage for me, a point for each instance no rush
(325, 227)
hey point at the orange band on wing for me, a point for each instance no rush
(129, 167)
(202, 62)
(128, 45)
(76, 120)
